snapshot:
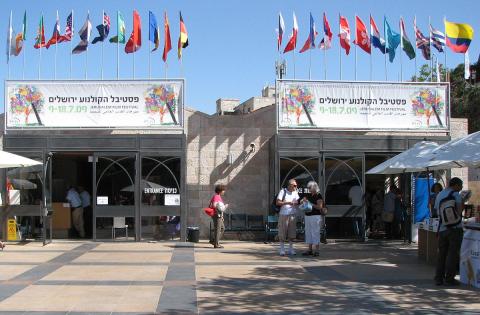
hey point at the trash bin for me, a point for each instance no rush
(193, 234)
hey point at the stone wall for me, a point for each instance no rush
(210, 140)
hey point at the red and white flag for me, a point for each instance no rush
(292, 43)
(326, 42)
(281, 30)
(362, 39)
(344, 34)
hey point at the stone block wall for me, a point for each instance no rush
(210, 141)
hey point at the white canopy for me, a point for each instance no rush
(462, 152)
(414, 159)
(8, 159)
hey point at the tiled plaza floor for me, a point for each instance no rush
(183, 278)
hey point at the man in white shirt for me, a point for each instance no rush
(77, 211)
(287, 200)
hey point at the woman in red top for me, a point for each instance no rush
(218, 224)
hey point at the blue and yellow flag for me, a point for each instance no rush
(458, 36)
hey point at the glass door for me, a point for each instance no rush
(343, 182)
(115, 195)
(160, 197)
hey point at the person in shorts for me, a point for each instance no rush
(287, 200)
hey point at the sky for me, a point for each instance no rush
(232, 44)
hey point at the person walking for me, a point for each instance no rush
(449, 238)
(313, 219)
(287, 200)
(218, 222)
(75, 202)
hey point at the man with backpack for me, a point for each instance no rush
(287, 200)
(450, 232)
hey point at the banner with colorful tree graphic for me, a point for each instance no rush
(361, 105)
(94, 104)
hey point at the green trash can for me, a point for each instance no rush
(193, 234)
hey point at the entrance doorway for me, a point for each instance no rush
(71, 170)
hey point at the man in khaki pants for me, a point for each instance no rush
(287, 200)
(77, 211)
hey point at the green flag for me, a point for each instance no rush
(120, 38)
(24, 28)
(406, 45)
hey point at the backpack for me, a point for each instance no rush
(273, 206)
(448, 212)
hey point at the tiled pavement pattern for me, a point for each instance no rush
(247, 278)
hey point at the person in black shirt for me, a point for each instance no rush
(313, 219)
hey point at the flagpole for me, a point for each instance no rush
(416, 48)
(86, 53)
(56, 47)
(40, 52)
(325, 60)
(118, 45)
(103, 15)
(385, 54)
(294, 47)
(371, 48)
(71, 47)
(401, 46)
(340, 46)
(9, 45)
(431, 53)
(23, 43)
(356, 44)
(310, 65)
(447, 72)
(149, 50)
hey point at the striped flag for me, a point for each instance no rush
(326, 42)
(310, 42)
(84, 34)
(183, 38)
(281, 30)
(56, 34)
(406, 44)
(40, 39)
(377, 40)
(422, 42)
(68, 30)
(292, 42)
(437, 38)
(103, 29)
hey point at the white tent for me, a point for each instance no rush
(8, 159)
(462, 152)
(414, 159)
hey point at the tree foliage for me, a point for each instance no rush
(464, 94)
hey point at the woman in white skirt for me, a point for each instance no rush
(313, 219)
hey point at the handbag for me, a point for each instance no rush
(209, 211)
(388, 217)
(306, 206)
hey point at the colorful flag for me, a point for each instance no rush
(467, 66)
(40, 39)
(292, 42)
(377, 40)
(281, 30)
(392, 40)
(405, 42)
(310, 42)
(9, 37)
(183, 38)
(326, 42)
(458, 36)
(135, 41)
(84, 34)
(17, 40)
(437, 38)
(120, 37)
(344, 34)
(167, 41)
(103, 29)
(153, 31)
(56, 34)
(422, 42)
(68, 30)
(362, 40)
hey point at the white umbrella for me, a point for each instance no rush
(412, 160)
(462, 152)
(22, 184)
(8, 159)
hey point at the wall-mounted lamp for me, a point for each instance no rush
(252, 147)
(229, 159)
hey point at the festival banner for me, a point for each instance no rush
(360, 105)
(94, 104)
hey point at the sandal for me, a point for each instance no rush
(316, 254)
(309, 253)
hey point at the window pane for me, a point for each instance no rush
(115, 180)
(160, 185)
(161, 227)
(343, 180)
(302, 169)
